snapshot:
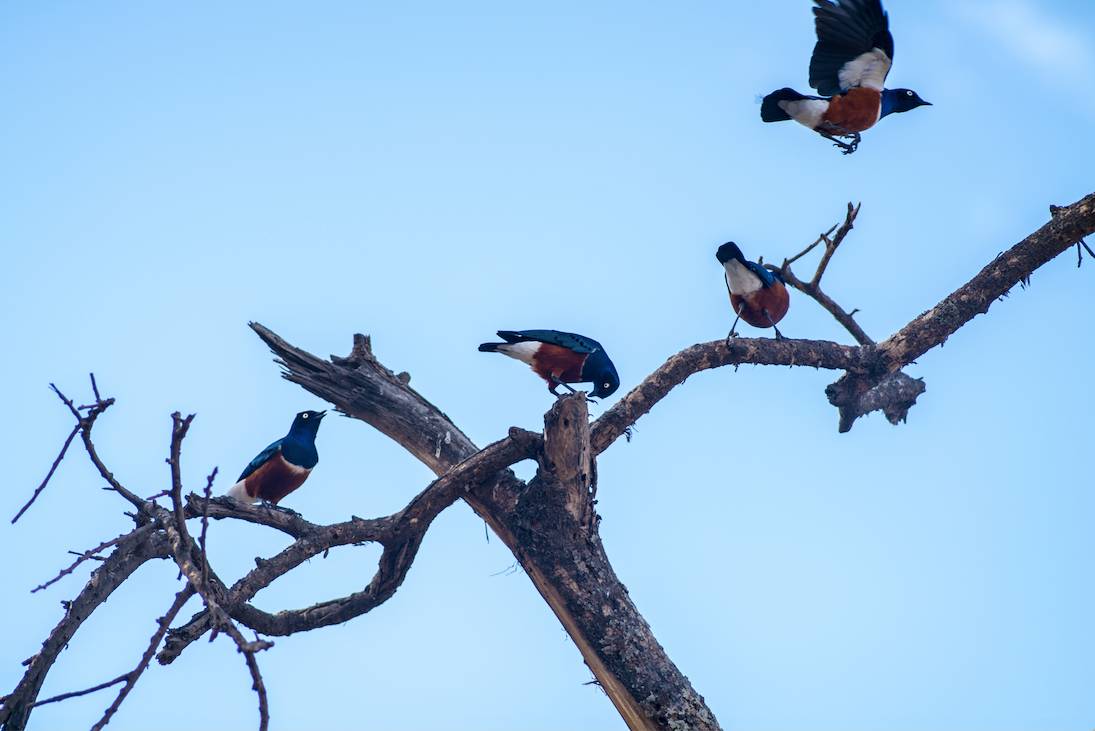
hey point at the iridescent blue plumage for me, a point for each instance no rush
(560, 358)
(284, 465)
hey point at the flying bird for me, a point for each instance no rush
(560, 358)
(758, 295)
(284, 465)
(849, 66)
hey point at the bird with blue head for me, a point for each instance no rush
(849, 66)
(758, 295)
(284, 465)
(560, 358)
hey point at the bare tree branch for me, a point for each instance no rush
(49, 475)
(549, 523)
(400, 534)
(134, 675)
(92, 553)
(1068, 225)
(812, 288)
(129, 555)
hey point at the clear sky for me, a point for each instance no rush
(429, 175)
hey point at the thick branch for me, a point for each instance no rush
(761, 351)
(1068, 226)
(129, 555)
(400, 534)
(618, 647)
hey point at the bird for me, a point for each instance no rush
(560, 358)
(848, 68)
(283, 466)
(758, 295)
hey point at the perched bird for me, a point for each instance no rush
(851, 60)
(560, 358)
(758, 295)
(284, 465)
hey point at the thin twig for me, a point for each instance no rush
(812, 288)
(133, 675)
(90, 553)
(249, 649)
(85, 691)
(822, 237)
(205, 528)
(49, 475)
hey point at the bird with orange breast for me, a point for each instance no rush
(283, 466)
(560, 358)
(759, 296)
(848, 68)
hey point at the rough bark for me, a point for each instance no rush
(548, 527)
(550, 523)
(126, 558)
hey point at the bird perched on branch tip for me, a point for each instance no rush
(851, 60)
(284, 465)
(560, 358)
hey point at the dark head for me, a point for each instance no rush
(306, 424)
(599, 371)
(605, 382)
(729, 251)
(901, 100)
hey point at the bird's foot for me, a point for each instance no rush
(1080, 252)
(555, 383)
(837, 137)
(848, 148)
(280, 508)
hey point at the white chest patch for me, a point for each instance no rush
(521, 351)
(296, 470)
(739, 279)
(806, 111)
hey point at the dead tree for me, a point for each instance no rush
(549, 523)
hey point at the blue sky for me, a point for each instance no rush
(428, 176)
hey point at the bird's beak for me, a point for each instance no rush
(926, 104)
(322, 413)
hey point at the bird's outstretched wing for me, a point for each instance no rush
(261, 459)
(854, 46)
(571, 341)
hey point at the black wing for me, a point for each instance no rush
(848, 34)
(571, 341)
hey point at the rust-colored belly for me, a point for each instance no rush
(854, 111)
(763, 308)
(554, 360)
(275, 479)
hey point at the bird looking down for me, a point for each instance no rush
(284, 465)
(560, 358)
(851, 60)
(758, 295)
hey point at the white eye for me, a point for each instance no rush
(304, 415)
(908, 93)
(607, 385)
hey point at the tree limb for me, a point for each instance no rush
(130, 554)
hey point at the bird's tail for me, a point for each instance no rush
(239, 492)
(771, 111)
(509, 336)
